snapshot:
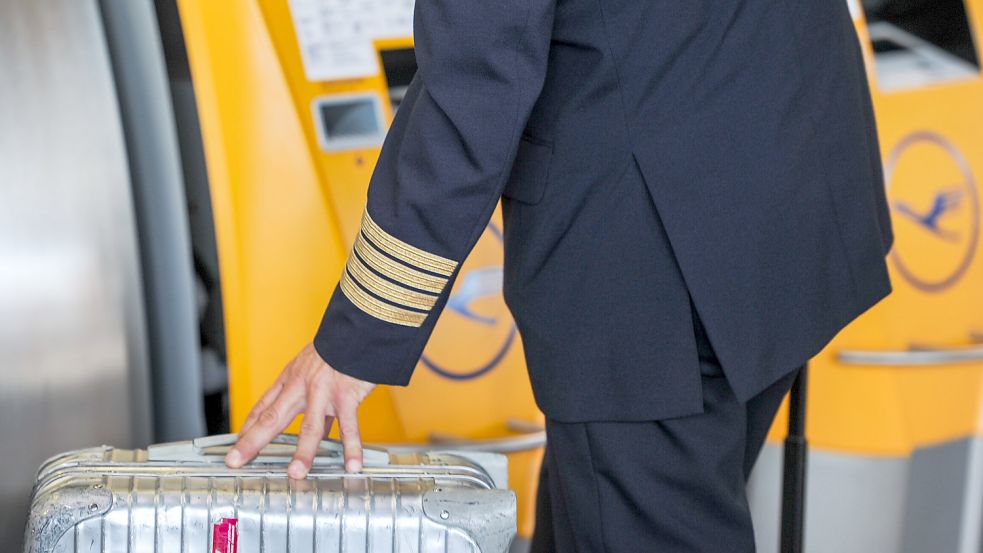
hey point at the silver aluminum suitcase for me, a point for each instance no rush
(180, 498)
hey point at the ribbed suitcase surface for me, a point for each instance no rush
(180, 498)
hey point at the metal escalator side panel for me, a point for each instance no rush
(160, 204)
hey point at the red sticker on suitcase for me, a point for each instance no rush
(225, 536)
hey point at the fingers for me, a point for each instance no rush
(261, 405)
(270, 422)
(311, 433)
(329, 395)
(351, 441)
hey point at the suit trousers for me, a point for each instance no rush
(665, 486)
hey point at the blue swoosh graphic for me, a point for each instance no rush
(476, 284)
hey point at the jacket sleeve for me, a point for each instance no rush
(442, 169)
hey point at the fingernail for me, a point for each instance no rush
(297, 470)
(233, 458)
(353, 466)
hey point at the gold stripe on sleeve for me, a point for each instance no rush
(405, 252)
(397, 271)
(378, 309)
(387, 290)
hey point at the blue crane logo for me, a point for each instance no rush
(945, 202)
(936, 217)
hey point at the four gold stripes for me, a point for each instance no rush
(385, 289)
(378, 309)
(396, 271)
(405, 252)
(373, 255)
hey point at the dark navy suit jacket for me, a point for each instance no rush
(649, 154)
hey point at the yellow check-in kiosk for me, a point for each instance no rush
(294, 100)
(895, 405)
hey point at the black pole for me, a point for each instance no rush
(794, 475)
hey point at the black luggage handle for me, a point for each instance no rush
(794, 468)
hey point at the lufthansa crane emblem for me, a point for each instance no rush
(936, 211)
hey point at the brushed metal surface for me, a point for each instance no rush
(410, 503)
(930, 500)
(854, 503)
(72, 343)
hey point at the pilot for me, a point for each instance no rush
(693, 207)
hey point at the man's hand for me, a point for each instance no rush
(307, 385)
